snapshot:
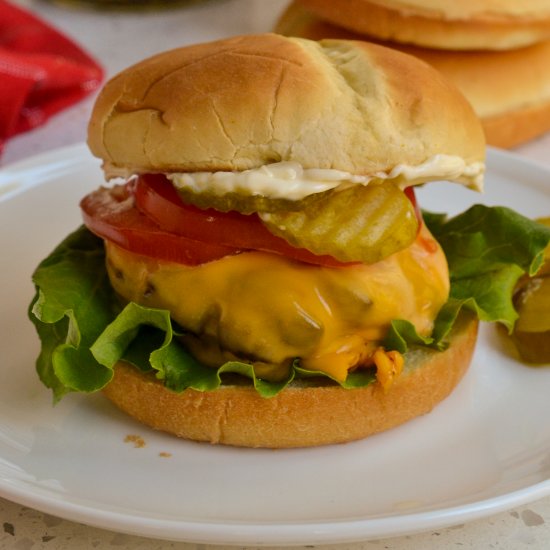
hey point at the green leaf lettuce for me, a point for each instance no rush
(84, 330)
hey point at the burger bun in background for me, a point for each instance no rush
(508, 86)
(447, 25)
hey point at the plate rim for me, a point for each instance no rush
(281, 533)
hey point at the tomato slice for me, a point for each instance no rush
(146, 216)
(409, 191)
(159, 201)
(111, 214)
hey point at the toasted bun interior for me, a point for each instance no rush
(509, 90)
(303, 414)
(252, 100)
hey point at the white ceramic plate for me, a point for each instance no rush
(483, 450)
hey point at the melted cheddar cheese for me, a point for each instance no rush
(268, 310)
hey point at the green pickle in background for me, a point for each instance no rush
(532, 300)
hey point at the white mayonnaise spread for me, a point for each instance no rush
(289, 180)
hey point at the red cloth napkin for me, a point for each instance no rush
(41, 71)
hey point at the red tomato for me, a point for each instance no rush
(159, 201)
(409, 191)
(111, 214)
(146, 216)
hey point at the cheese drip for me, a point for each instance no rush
(268, 310)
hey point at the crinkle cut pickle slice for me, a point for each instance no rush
(358, 223)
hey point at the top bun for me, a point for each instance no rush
(458, 25)
(243, 102)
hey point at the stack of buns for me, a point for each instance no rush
(496, 52)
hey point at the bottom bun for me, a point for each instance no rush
(303, 414)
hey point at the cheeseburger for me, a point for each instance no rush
(259, 272)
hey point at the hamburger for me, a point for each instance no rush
(508, 88)
(259, 273)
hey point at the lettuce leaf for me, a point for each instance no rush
(488, 249)
(84, 331)
(144, 337)
(72, 306)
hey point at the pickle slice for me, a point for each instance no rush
(532, 300)
(545, 269)
(356, 224)
(245, 204)
(533, 305)
(533, 347)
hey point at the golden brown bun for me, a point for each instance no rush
(247, 101)
(509, 91)
(472, 9)
(455, 26)
(300, 415)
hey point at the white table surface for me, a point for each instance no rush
(117, 40)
